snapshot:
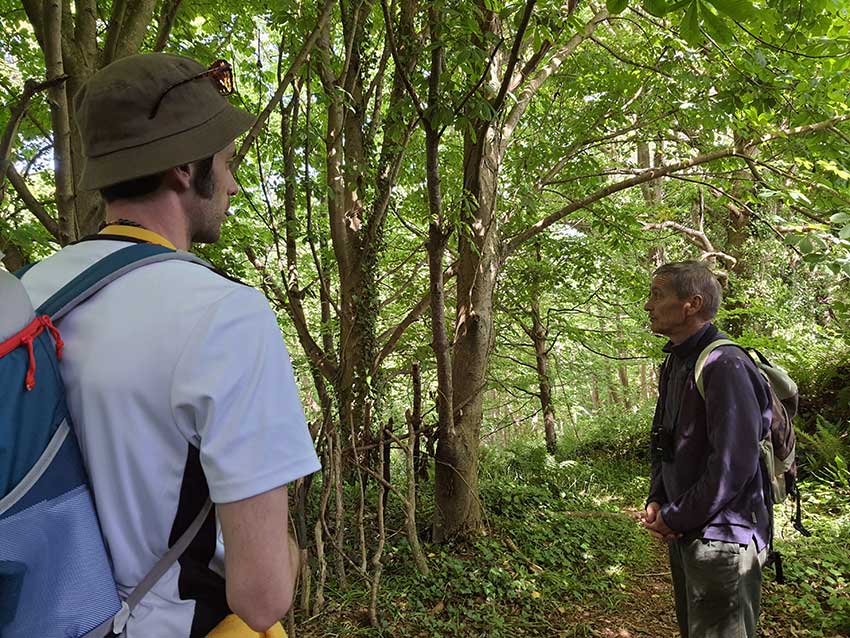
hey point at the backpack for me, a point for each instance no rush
(777, 451)
(55, 574)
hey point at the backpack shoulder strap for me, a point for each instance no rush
(107, 270)
(23, 270)
(701, 359)
(116, 624)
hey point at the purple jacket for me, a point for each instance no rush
(709, 482)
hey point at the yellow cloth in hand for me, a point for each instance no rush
(234, 627)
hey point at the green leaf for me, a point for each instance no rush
(806, 246)
(798, 197)
(840, 218)
(689, 27)
(616, 6)
(656, 7)
(739, 10)
(716, 27)
(845, 232)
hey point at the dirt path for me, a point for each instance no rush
(648, 608)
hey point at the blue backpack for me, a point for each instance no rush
(55, 575)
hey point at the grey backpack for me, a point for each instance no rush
(777, 450)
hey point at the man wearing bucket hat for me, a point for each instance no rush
(177, 378)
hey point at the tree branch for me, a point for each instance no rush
(514, 55)
(16, 114)
(113, 31)
(290, 74)
(555, 62)
(658, 172)
(608, 356)
(32, 204)
(167, 16)
(35, 12)
(85, 31)
(478, 84)
(625, 60)
(393, 337)
(531, 64)
(138, 14)
(698, 238)
(573, 148)
(311, 348)
(400, 68)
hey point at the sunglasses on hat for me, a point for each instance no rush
(220, 72)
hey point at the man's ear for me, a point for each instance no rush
(180, 177)
(693, 306)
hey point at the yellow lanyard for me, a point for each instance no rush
(137, 233)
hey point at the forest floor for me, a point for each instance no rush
(562, 556)
(646, 608)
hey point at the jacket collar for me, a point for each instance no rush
(695, 343)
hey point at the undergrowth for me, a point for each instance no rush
(815, 599)
(558, 548)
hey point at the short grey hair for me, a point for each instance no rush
(689, 278)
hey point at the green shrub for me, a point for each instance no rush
(614, 433)
(825, 452)
(824, 384)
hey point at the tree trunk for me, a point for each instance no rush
(623, 375)
(60, 116)
(420, 460)
(539, 334)
(595, 397)
(458, 509)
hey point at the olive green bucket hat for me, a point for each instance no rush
(146, 113)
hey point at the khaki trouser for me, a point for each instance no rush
(717, 586)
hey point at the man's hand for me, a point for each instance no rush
(654, 522)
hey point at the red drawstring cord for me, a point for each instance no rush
(54, 331)
(29, 382)
(36, 328)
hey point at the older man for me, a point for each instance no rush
(706, 497)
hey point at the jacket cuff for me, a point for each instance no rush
(669, 517)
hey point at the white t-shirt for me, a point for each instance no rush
(177, 378)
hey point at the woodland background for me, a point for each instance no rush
(454, 208)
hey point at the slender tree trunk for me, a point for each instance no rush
(70, 45)
(595, 398)
(420, 465)
(60, 116)
(386, 448)
(539, 334)
(623, 376)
